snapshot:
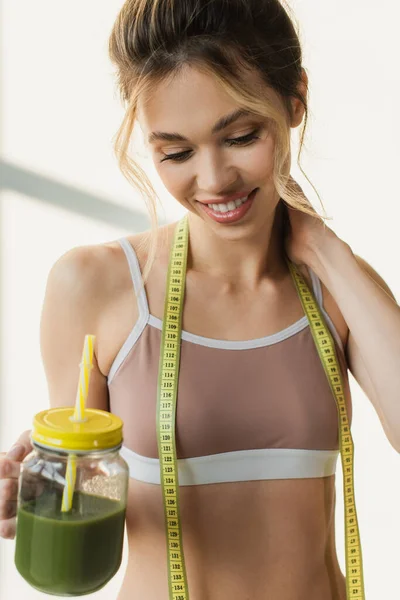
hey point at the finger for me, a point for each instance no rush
(9, 510)
(22, 447)
(9, 469)
(8, 498)
(8, 528)
(30, 489)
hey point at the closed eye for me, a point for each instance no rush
(240, 141)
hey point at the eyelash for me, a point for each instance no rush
(250, 137)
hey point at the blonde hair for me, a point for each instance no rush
(153, 40)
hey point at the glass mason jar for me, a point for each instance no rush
(72, 497)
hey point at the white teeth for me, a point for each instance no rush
(223, 208)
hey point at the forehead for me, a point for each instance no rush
(189, 103)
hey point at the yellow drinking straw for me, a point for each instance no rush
(86, 367)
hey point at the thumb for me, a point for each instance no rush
(22, 447)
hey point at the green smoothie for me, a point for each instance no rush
(73, 553)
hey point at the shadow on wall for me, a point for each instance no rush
(70, 198)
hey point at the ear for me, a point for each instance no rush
(298, 109)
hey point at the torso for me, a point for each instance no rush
(264, 539)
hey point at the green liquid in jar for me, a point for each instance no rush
(71, 553)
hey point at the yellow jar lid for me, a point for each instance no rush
(54, 428)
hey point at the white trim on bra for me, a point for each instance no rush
(242, 465)
(145, 318)
(268, 340)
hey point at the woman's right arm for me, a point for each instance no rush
(74, 297)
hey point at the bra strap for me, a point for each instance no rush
(316, 283)
(316, 286)
(137, 280)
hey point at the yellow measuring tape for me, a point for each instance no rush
(166, 415)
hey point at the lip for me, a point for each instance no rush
(232, 216)
(227, 199)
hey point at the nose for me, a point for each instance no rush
(215, 176)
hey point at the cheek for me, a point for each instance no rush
(261, 161)
(177, 186)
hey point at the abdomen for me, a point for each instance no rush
(247, 540)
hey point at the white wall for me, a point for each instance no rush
(59, 112)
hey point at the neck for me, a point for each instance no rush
(239, 261)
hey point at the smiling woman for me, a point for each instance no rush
(216, 88)
(228, 362)
(178, 60)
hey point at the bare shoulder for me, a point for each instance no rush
(94, 282)
(82, 265)
(77, 289)
(98, 271)
(86, 272)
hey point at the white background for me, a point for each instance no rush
(59, 111)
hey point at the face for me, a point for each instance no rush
(201, 165)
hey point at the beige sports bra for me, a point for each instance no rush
(246, 410)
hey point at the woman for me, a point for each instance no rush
(216, 88)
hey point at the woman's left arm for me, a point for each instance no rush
(373, 317)
(367, 304)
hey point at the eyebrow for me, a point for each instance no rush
(221, 124)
